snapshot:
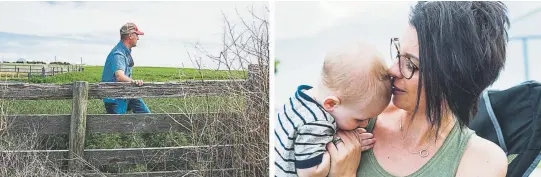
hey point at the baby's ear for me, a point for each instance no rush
(330, 102)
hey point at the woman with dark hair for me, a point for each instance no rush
(450, 53)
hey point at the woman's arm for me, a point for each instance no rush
(482, 158)
(346, 155)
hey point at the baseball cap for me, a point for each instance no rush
(129, 28)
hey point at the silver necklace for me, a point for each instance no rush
(423, 152)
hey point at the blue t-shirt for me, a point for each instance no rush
(118, 59)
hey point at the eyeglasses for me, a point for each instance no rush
(406, 66)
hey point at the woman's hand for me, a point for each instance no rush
(346, 155)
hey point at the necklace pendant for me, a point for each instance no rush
(423, 153)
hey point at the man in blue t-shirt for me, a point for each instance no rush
(118, 68)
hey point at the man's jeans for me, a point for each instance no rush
(122, 107)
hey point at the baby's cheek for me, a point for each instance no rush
(350, 124)
(364, 124)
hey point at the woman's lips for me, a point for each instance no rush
(397, 90)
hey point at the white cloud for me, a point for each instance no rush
(168, 26)
(301, 19)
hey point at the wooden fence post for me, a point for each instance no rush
(257, 87)
(78, 125)
(251, 86)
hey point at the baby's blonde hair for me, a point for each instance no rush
(357, 74)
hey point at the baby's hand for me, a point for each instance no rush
(366, 138)
(321, 170)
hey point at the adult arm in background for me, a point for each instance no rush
(346, 155)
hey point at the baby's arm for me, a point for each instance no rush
(321, 170)
(311, 156)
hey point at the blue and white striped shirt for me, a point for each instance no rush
(301, 133)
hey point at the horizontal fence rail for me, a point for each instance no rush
(114, 123)
(122, 90)
(185, 155)
(214, 172)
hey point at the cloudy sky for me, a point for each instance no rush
(303, 37)
(71, 30)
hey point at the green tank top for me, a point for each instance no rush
(444, 163)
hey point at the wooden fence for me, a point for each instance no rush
(29, 70)
(79, 123)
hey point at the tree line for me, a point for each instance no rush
(39, 62)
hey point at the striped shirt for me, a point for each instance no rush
(301, 134)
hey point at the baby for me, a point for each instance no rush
(353, 88)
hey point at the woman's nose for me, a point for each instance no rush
(394, 71)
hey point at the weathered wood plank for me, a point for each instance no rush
(45, 124)
(116, 123)
(35, 91)
(78, 125)
(121, 90)
(189, 156)
(153, 90)
(154, 123)
(213, 172)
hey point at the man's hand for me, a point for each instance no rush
(137, 82)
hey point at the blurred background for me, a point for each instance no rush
(305, 31)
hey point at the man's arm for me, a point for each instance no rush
(119, 66)
(121, 77)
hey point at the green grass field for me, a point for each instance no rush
(92, 74)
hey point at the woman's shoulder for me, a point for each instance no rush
(482, 158)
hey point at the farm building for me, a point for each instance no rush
(21, 60)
